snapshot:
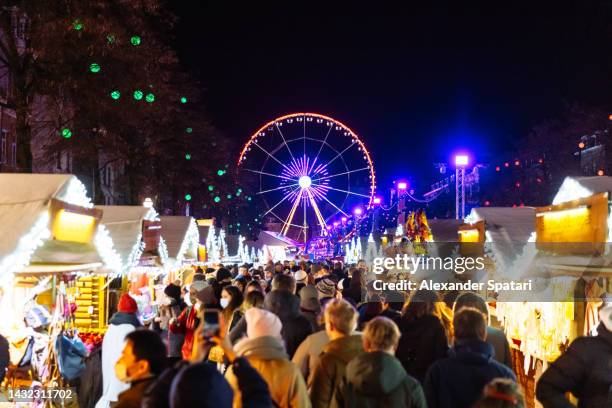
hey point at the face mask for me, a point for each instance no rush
(121, 372)
(224, 302)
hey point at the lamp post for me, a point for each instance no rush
(461, 161)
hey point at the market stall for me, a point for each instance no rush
(182, 238)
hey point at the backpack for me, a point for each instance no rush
(71, 353)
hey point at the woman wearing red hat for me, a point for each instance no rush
(120, 324)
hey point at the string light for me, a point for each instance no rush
(138, 94)
(188, 130)
(183, 99)
(66, 133)
(94, 67)
(135, 40)
(188, 197)
(77, 25)
(150, 97)
(115, 95)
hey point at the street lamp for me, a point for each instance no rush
(461, 161)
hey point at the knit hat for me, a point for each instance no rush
(309, 299)
(198, 285)
(605, 315)
(300, 276)
(173, 291)
(223, 274)
(262, 323)
(326, 288)
(127, 304)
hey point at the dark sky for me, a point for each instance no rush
(415, 84)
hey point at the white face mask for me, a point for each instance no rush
(224, 302)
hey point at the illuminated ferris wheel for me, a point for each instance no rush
(309, 171)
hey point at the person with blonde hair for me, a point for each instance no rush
(376, 378)
(340, 323)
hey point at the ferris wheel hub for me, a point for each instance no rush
(305, 181)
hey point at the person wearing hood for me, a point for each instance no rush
(376, 378)
(188, 320)
(344, 345)
(585, 370)
(283, 302)
(123, 322)
(263, 349)
(458, 381)
(309, 305)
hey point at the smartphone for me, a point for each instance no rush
(211, 323)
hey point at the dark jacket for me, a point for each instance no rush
(423, 342)
(254, 389)
(296, 327)
(497, 339)
(329, 372)
(132, 397)
(585, 370)
(157, 394)
(458, 381)
(377, 379)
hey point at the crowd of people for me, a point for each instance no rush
(310, 334)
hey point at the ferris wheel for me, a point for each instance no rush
(309, 170)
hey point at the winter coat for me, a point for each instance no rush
(497, 339)
(254, 389)
(267, 355)
(377, 379)
(307, 355)
(120, 324)
(296, 327)
(458, 381)
(173, 341)
(585, 370)
(186, 324)
(132, 397)
(423, 342)
(331, 368)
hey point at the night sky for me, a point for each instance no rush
(414, 84)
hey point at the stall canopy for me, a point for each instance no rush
(48, 219)
(273, 239)
(182, 238)
(125, 226)
(573, 188)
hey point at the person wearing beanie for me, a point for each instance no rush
(301, 278)
(123, 322)
(170, 307)
(584, 369)
(188, 320)
(326, 289)
(309, 304)
(264, 350)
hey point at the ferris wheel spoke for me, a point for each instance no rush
(284, 141)
(334, 205)
(279, 203)
(317, 212)
(277, 188)
(269, 174)
(348, 192)
(340, 174)
(304, 138)
(270, 154)
(339, 154)
(321, 147)
(287, 222)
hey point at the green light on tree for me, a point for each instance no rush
(150, 97)
(138, 94)
(188, 197)
(189, 130)
(211, 187)
(77, 25)
(95, 68)
(115, 95)
(110, 38)
(229, 196)
(249, 198)
(217, 199)
(187, 156)
(135, 40)
(66, 133)
(183, 99)
(220, 172)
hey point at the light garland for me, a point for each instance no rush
(191, 239)
(104, 243)
(162, 249)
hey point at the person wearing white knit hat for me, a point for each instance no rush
(264, 349)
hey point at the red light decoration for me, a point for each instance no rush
(581, 145)
(540, 160)
(513, 205)
(497, 168)
(522, 205)
(487, 203)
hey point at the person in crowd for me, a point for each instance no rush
(445, 315)
(200, 385)
(263, 348)
(495, 337)
(423, 340)
(376, 378)
(223, 278)
(338, 273)
(355, 290)
(501, 393)
(253, 285)
(309, 305)
(188, 320)
(253, 299)
(171, 307)
(286, 305)
(306, 357)
(326, 289)
(585, 370)
(231, 302)
(301, 279)
(458, 381)
(392, 304)
(5, 358)
(124, 321)
(370, 309)
(344, 345)
(142, 359)
(240, 282)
